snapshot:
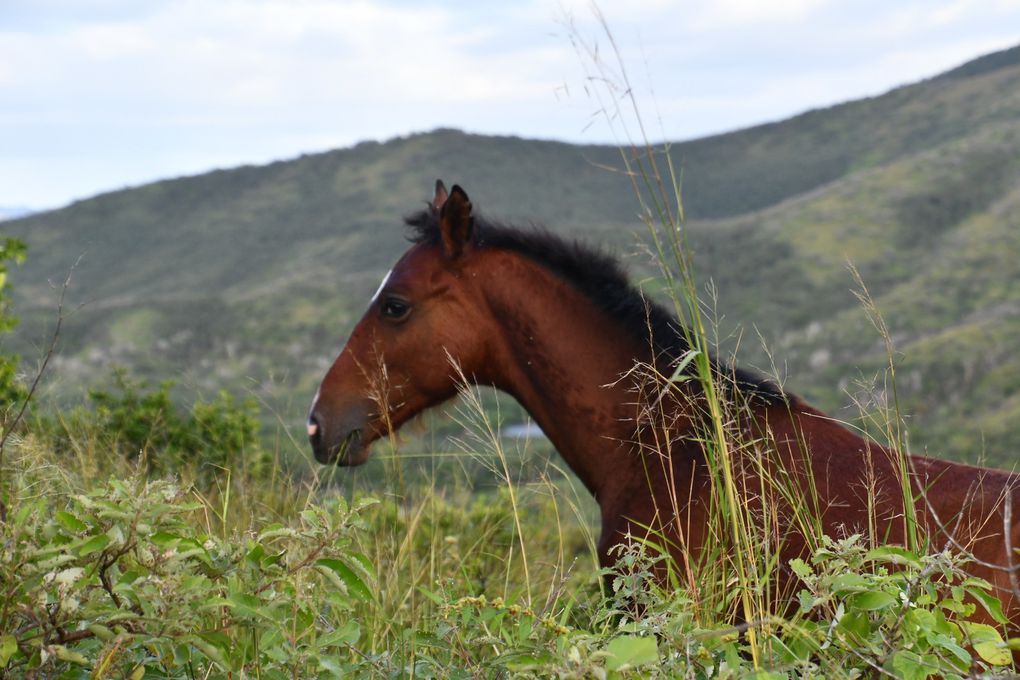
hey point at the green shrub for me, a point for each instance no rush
(132, 578)
(121, 582)
(11, 390)
(148, 427)
(907, 614)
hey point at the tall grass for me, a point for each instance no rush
(743, 548)
(755, 500)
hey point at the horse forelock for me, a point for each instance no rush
(423, 226)
(604, 281)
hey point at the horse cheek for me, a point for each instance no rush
(421, 367)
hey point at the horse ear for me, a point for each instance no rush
(455, 222)
(441, 195)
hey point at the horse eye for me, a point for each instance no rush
(393, 308)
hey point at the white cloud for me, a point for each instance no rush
(736, 14)
(126, 91)
(110, 42)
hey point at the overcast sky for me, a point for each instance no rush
(100, 94)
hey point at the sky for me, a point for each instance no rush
(97, 95)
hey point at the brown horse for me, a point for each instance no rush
(558, 327)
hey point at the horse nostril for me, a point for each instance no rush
(314, 430)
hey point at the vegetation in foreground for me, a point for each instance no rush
(109, 572)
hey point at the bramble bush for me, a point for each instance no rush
(899, 612)
(122, 582)
(147, 426)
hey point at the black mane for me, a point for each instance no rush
(603, 280)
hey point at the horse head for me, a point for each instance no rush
(423, 325)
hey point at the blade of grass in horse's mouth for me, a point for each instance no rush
(350, 443)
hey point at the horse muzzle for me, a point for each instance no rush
(340, 445)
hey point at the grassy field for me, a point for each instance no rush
(198, 554)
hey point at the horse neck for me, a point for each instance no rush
(566, 361)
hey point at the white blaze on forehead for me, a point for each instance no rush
(382, 285)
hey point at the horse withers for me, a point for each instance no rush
(559, 327)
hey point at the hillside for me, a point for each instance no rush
(249, 278)
(936, 237)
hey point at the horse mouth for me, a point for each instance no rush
(349, 451)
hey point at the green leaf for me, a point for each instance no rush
(277, 531)
(21, 516)
(246, 605)
(8, 646)
(987, 642)
(995, 653)
(631, 651)
(522, 662)
(800, 568)
(911, 666)
(70, 522)
(94, 544)
(116, 534)
(849, 583)
(211, 651)
(856, 625)
(65, 654)
(354, 584)
(950, 645)
(331, 666)
(873, 600)
(991, 603)
(101, 632)
(921, 620)
(426, 639)
(348, 634)
(807, 601)
(255, 554)
(684, 362)
(189, 547)
(165, 539)
(894, 554)
(273, 559)
(363, 503)
(365, 563)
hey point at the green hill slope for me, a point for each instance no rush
(936, 237)
(249, 278)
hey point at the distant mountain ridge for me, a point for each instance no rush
(249, 278)
(986, 64)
